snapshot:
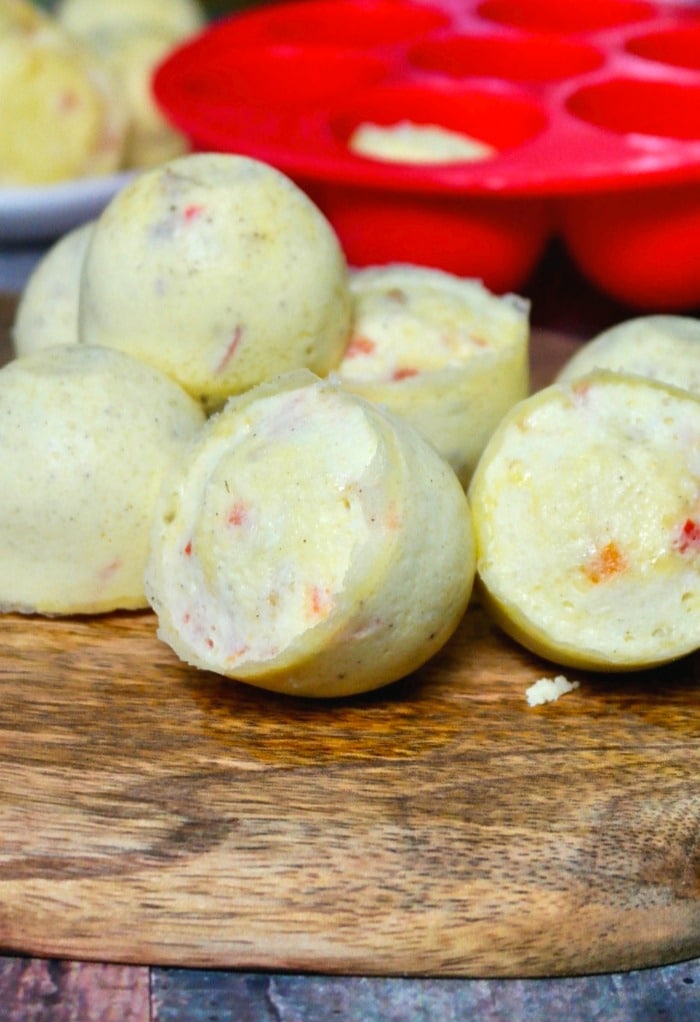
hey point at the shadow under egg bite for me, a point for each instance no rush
(295, 547)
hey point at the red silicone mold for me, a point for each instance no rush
(592, 112)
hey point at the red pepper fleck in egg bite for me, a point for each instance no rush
(360, 346)
(689, 537)
(606, 563)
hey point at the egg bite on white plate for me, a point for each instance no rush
(88, 19)
(63, 113)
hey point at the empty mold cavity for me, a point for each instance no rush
(502, 121)
(626, 105)
(558, 16)
(359, 23)
(522, 58)
(677, 47)
(282, 77)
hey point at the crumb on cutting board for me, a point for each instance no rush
(547, 690)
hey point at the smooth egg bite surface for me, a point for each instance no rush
(227, 275)
(133, 56)
(85, 437)
(63, 114)
(89, 19)
(47, 311)
(586, 508)
(310, 544)
(20, 16)
(660, 347)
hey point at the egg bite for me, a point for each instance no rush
(228, 275)
(133, 37)
(47, 310)
(63, 114)
(86, 435)
(20, 16)
(133, 54)
(85, 18)
(661, 347)
(586, 508)
(441, 351)
(411, 143)
(294, 547)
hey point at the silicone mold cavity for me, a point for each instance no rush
(521, 58)
(664, 109)
(592, 112)
(348, 23)
(640, 246)
(500, 119)
(678, 47)
(555, 16)
(330, 75)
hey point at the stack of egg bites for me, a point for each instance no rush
(303, 468)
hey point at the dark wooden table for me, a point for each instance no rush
(48, 990)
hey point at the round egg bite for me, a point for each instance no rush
(295, 548)
(86, 435)
(47, 311)
(89, 19)
(63, 114)
(660, 347)
(586, 507)
(439, 350)
(407, 142)
(219, 271)
(132, 54)
(20, 16)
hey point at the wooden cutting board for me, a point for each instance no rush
(153, 814)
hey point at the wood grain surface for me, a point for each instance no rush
(150, 813)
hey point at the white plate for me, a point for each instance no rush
(45, 212)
